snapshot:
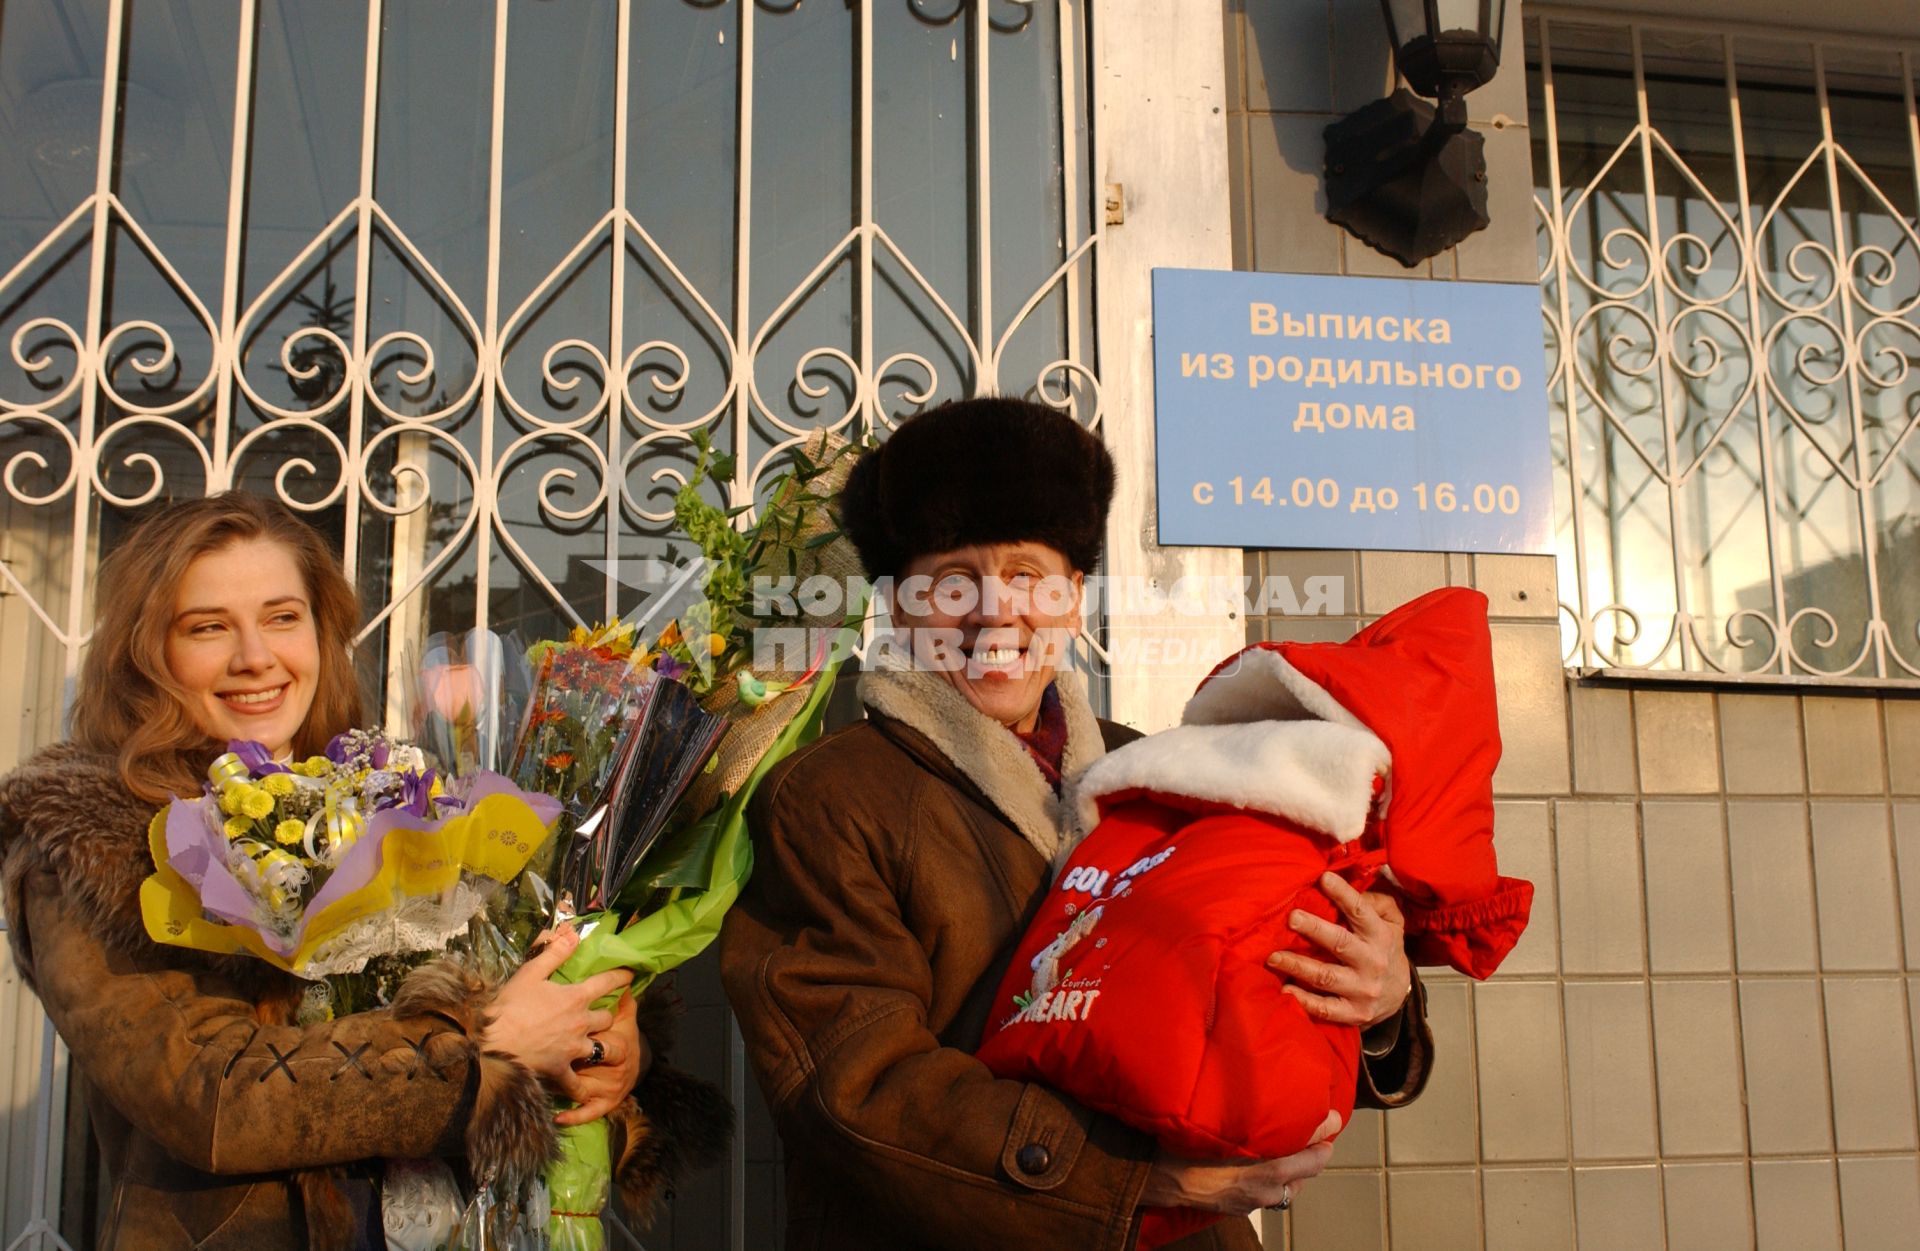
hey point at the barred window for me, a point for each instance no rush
(1731, 279)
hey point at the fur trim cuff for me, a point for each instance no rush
(673, 1125)
(510, 1135)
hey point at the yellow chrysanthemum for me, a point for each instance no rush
(311, 767)
(256, 803)
(279, 785)
(230, 796)
(235, 827)
(289, 831)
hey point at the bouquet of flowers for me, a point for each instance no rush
(654, 752)
(322, 865)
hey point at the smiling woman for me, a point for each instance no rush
(231, 621)
(243, 646)
(229, 618)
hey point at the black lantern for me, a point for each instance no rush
(1405, 176)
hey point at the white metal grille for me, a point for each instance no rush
(459, 279)
(1731, 279)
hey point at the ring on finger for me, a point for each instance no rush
(1286, 1199)
(598, 1055)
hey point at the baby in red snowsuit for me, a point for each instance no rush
(1142, 987)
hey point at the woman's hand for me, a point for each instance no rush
(1237, 1187)
(599, 1088)
(1372, 976)
(547, 1026)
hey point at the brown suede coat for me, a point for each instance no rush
(224, 1125)
(898, 863)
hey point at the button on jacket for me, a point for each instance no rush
(898, 861)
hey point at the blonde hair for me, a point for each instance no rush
(128, 703)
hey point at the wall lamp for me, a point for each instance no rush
(1404, 176)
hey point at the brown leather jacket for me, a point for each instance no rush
(898, 862)
(222, 1124)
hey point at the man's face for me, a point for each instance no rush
(993, 620)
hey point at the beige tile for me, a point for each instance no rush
(1709, 1207)
(1843, 745)
(1617, 1207)
(1906, 837)
(1689, 908)
(1287, 47)
(1880, 1203)
(1531, 687)
(1311, 629)
(1525, 850)
(1340, 1210)
(1602, 739)
(1329, 578)
(1760, 752)
(1697, 1056)
(1786, 1066)
(1772, 886)
(1527, 1209)
(1434, 1209)
(1508, 249)
(1610, 1071)
(1236, 55)
(1795, 1206)
(1390, 579)
(1598, 848)
(1359, 260)
(1872, 1079)
(1517, 1036)
(1676, 737)
(1362, 57)
(1286, 154)
(1854, 880)
(1903, 744)
(1517, 586)
(1440, 1126)
(1361, 1143)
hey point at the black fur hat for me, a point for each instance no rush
(989, 470)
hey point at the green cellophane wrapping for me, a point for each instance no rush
(662, 940)
(578, 1183)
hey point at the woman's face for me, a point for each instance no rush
(994, 620)
(244, 645)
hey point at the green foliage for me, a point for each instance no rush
(795, 522)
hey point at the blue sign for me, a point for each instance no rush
(1304, 411)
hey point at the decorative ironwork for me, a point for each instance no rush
(1731, 283)
(462, 447)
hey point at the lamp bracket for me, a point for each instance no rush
(1406, 178)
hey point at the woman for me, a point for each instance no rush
(223, 1123)
(900, 859)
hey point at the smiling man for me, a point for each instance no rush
(900, 859)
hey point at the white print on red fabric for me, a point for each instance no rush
(1054, 995)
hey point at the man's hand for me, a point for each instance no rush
(1237, 1187)
(1370, 977)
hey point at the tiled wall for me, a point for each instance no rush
(1706, 1038)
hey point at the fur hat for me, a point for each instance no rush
(990, 470)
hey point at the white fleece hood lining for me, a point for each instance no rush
(1260, 735)
(1315, 773)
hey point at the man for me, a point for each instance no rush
(900, 860)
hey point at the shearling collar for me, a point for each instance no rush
(67, 811)
(986, 754)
